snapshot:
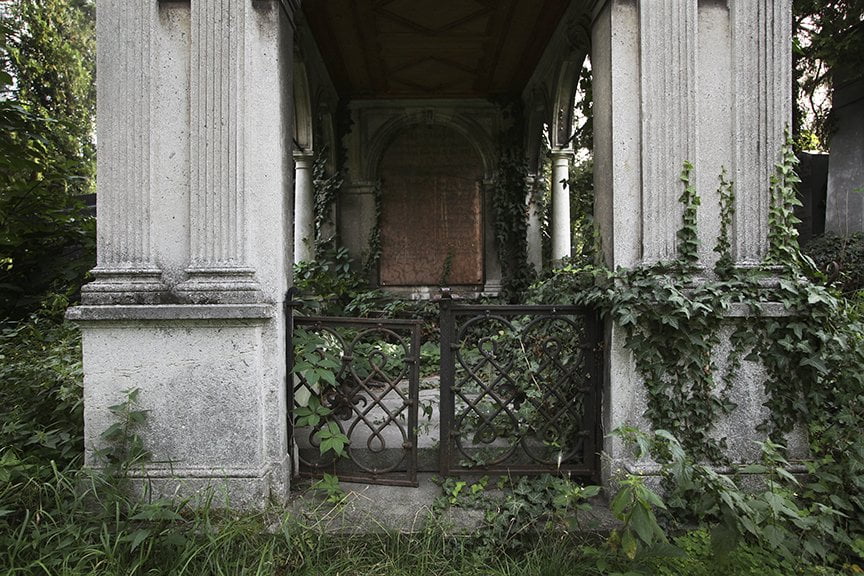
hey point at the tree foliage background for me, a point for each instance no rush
(828, 51)
(47, 149)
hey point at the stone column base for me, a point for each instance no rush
(124, 286)
(219, 286)
(211, 380)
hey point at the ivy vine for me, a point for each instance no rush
(373, 256)
(672, 328)
(326, 187)
(674, 324)
(511, 212)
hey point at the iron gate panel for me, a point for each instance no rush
(520, 389)
(371, 397)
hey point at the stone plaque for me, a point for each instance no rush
(431, 221)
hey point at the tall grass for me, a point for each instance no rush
(59, 519)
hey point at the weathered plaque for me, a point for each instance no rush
(432, 210)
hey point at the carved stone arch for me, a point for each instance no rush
(578, 45)
(561, 130)
(473, 132)
(303, 114)
(460, 250)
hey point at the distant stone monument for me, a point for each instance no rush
(845, 204)
(812, 192)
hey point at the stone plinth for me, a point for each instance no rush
(701, 82)
(215, 402)
(194, 242)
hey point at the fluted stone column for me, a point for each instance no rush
(676, 81)
(761, 40)
(126, 271)
(304, 207)
(195, 123)
(561, 240)
(534, 232)
(219, 269)
(668, 94)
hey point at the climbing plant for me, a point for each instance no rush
(672, 321)
(511, 211)
(326, 188)
(373, 256)
(671, 325)
(811, 347)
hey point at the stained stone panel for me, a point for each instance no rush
(431, 221)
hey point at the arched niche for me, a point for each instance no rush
(473, 132)
(432, 225)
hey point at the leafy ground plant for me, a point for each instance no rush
(58, 519)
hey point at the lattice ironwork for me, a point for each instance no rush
(520, 389)
(370, 397)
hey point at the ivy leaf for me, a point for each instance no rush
(816, 363)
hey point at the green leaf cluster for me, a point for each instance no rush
(516, 510)
(511, 210)
(47, 150)
(812, 352)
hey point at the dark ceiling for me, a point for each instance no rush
(431, 48)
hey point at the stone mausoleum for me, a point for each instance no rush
(210, 113)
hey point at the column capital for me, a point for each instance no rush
(559, 154)
(303, 158)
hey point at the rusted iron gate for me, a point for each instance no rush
(520, 389)
(370, 397)
(519, 392)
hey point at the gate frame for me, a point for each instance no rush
(449, 309)
(412, 362)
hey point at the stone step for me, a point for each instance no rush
(370, 508)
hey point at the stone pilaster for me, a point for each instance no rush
(304, 208)
(561, 241)
(492, 263)
(668, 91)
(125, 271)
(761, 37)
(534, 232)
(219, 271)
(678, 80)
